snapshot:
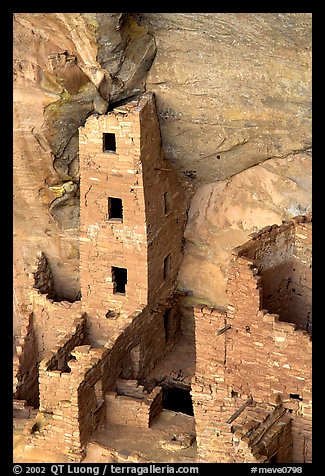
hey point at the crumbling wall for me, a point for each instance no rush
(282, 256)
(55, 367)
(230, 372)
(59, 397)
(271, 250)
(25, 363)
(262, 433)
(248, 354)
(52, 320)
(74, 377)
(301, 285)
(88, 369)
(143, 339)
(259, 344)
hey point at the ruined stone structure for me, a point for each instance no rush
(132, 213)
(252, 387)
(131, 243)
(89, 365)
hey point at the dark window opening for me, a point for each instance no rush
(234, 394)
(119, 276)
(177, 400)
(167, 266)
(115, 209)
(109, 142)
(167, 325)
(167, 203)
(295, 396)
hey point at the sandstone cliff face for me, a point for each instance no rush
(66, 67)
(224, 213)
(233, 91)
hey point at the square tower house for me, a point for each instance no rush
(132, 212)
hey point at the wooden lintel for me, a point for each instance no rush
(164, 170)
(240, 410)
(223, 329)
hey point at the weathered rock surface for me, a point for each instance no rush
(224, 213)
(232, 91)
(63, 74)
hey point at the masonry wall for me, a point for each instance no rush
(59, 397)
(258, 344)
(146, 236)
(131, 411)
(55, 370)
(25, 363)
(282, 255)
(75, 377)
(212, 403)
(248, 353)
(301, 284)
(52, 320)
(145, 335)
(165, 202)
(130, 352)
(104, 244)
(272, 253)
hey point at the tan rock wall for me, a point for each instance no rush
(223, 214)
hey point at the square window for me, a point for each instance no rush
(109, 142)
(115, 209)
(119, 277)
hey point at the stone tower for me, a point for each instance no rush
(132, 212)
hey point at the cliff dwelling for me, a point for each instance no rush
(114, 369)
(162, 238)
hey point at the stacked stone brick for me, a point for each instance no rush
(25, 371)
(251, 391)
(79, 391)
(148, 232)
(132, 405)
(247, 353)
